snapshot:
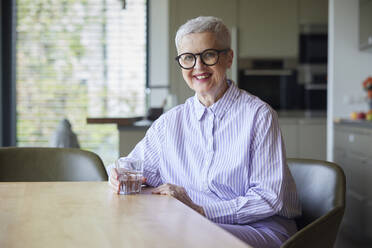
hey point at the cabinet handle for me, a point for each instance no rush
(351, 138)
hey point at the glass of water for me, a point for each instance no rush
(130, 174)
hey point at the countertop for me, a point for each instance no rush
(354, 123)
(121, 121)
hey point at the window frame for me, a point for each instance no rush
(8, 109)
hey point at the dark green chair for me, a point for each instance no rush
(321, 188)
(35, 164)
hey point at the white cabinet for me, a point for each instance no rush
(353, 152)
(365, 25)
(312, 138)
(289, 128)
(304, 137)
(268, 28)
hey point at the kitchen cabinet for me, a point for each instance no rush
(268, 28)
(304, 137)
(353, 152)
(313, 12)
(365, 25)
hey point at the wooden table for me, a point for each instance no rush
(89, 214)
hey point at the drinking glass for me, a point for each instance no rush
(130, 173)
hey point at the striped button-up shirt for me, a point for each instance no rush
(229, 157)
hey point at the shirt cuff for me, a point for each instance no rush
(223, 212)
(109, 167)
(152, 179)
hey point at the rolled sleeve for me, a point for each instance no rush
(149, 150)
(222, 212)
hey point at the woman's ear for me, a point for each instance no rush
(230, 57)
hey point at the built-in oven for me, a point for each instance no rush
(315, 97)
(312, 68)
(313, 44)
(277, 87)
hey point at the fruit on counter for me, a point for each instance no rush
(367, 84)
(358, 115)
(361, 116)
(369, 115)
(354, 115)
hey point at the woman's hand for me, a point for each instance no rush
(180, 194)
(114, 180)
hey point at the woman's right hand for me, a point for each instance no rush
(113, 180)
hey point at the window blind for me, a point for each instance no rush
(77, 59)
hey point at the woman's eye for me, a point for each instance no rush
(188, 58)
(209, 55)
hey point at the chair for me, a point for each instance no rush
(49, 164)
(321, 188)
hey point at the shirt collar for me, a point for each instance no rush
(199, 108)
(220, 107)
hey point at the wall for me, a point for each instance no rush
(348, 66)
(158, 50)
(313, 11)
(268, 29)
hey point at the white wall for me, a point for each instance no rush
(158, 50)
(348, 66)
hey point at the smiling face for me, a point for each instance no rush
(209, 82)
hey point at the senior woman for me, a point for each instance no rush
(221, 152)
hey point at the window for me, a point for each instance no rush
(77, 59)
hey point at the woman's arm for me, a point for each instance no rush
(149, 151)
(268, 178)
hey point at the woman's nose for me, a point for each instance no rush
(199, 63)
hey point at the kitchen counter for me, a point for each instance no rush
(127, 121)
(298, 127)
(354, 123)
(131, 131)
(137, 122)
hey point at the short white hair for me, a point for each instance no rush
(203, 24)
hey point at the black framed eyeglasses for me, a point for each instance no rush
(208, 57)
